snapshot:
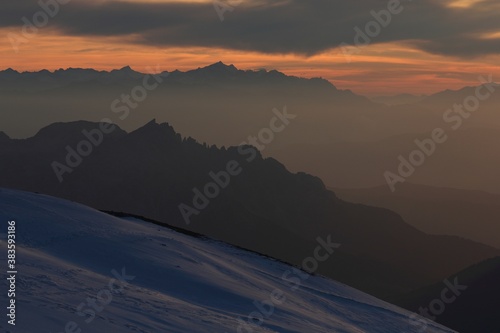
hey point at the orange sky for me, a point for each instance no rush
(379, 69)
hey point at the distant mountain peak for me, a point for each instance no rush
(74, 69)
(220, 64)
(219, 67)
(127, 70)
(11, 71)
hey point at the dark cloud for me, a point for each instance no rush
(303, 27)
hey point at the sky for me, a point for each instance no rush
(373, 47)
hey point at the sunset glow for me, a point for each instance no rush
(404, 67)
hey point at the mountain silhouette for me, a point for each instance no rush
(468, 214)
(475, 309)
(344, 138)
(153, 171)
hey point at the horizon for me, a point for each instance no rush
(150, 70)
(402, 53)
(273, 165)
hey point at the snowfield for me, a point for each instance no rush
(81, 270)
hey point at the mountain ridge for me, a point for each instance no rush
(221, 69)
(263, 201)
(215, 69)
(436, 210)
(479, 300)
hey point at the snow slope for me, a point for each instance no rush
(66, 254)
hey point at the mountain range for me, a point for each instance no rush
(153, 172)
(349, 140)
(439, 211)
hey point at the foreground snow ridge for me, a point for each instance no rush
(80, 270)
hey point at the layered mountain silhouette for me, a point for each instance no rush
(464, 160)
(472, 310)
(468, 214)
(349, 140)
(153, 170)
(399, 99)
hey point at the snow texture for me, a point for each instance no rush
(66, 253)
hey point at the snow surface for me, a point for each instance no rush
(66, 252)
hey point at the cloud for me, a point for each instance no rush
(304, 27)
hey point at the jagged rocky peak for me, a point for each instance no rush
(157, 130)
